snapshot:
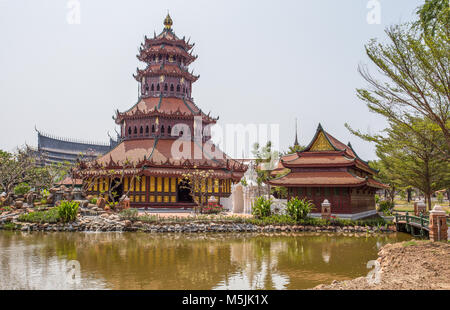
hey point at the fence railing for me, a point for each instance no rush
(421, 220)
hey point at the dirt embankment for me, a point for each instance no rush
(411, 265)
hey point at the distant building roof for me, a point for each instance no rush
(55, 149)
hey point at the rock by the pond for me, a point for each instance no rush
(101, 202)
(18, 204)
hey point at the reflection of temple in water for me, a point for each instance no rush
(254, 274)
(23, 267)
(184, 261)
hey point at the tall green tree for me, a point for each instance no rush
(386, 175)
(408, 159)
(414, 73)
(294, 149)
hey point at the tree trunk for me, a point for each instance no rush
(428, 198)
(408, 191)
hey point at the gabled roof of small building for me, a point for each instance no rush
(326, 150)
(324, 178)
(323, 163)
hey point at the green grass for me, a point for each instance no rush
(50, 216)
(269, 220)
(410, 208)
(409, 243)
(9, 226)
(404, 208)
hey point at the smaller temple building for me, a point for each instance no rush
(329, 169)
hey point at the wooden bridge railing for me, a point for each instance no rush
(422, 222)
(436, 223)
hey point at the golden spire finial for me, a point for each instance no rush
(168, 22)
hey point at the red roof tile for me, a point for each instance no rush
(319, 178)
(168, 105)
(312, 159)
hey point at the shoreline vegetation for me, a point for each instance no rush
(409, 265)
(93, 218)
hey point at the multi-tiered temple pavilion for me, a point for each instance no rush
(163, 133)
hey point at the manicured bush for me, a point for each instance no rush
(298, 209)
(21, 189)
(261, 207)
(68, 210)
(129, 214)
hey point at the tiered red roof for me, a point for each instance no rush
(145, 53)
(170, 107)
(156, 155)
(325, 162)
(166, 70)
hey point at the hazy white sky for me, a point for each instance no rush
(259, 61)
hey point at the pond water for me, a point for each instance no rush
(183, 261)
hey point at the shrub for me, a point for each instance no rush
(67, 210)
(279, 192)
(5, 209)
(129, 214)
(50, 216)
(212, 209)
(272, 220)
(440, 197)
(298, 209)
(45, 193)
(261, 207)
(386, 207)
(9, 226)
(148, 218)
(377, 198)
(21, 189)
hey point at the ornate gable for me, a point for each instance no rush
(321, 143)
